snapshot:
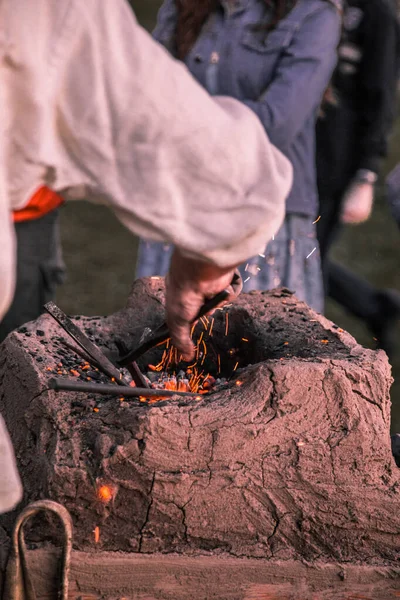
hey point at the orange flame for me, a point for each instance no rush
(195, 379)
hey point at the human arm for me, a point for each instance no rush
(97, 109)
(7, 233)
(357, 201)
(188, 283)
(7, 257)
(302, 75)
(10, 484)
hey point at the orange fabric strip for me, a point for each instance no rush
(42, 202)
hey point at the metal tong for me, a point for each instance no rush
(87, 345)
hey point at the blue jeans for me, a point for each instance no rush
(290, 260)
(153, 259)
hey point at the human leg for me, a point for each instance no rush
(39, 270)
(379, 309)
(290, 260)
(153, 259)
(351, 291)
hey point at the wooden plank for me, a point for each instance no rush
(113, 576)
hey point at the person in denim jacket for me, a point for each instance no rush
(277, 57)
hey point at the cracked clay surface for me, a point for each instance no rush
(293, 463)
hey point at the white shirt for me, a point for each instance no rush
(91, 106)
(91, 102)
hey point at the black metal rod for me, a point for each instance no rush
(137, 375)
(59, 384)
(133, 367)
(162, 333)
(105, 365)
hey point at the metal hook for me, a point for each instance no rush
(18, 584)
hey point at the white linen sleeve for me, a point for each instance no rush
(10, 484)
(122, 118)
(7, 234)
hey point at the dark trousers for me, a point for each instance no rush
(336, 166)
(350, 290)
(39, 269)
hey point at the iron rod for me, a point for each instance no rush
(105, 365)
(59, 384)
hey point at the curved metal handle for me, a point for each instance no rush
(18, 585)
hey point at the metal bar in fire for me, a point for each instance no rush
(60, 385)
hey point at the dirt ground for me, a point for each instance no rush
(100, 254)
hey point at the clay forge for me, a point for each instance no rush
(287, 456)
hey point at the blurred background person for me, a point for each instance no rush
(352, 141)
(393, 193)
(277, 57)
(40, 267)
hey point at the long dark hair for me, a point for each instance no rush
(192, 14)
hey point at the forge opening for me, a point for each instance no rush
(232, 339)
(224, 343)
(157, 480)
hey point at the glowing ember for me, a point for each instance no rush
(193, 379)
(170, 374)
(190, 380)
(96, 532)
(105, 494)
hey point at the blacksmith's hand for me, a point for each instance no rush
(357, 202)
(189, 284)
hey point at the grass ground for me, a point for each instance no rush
(100, 254)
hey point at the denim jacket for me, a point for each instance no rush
(281, 75)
